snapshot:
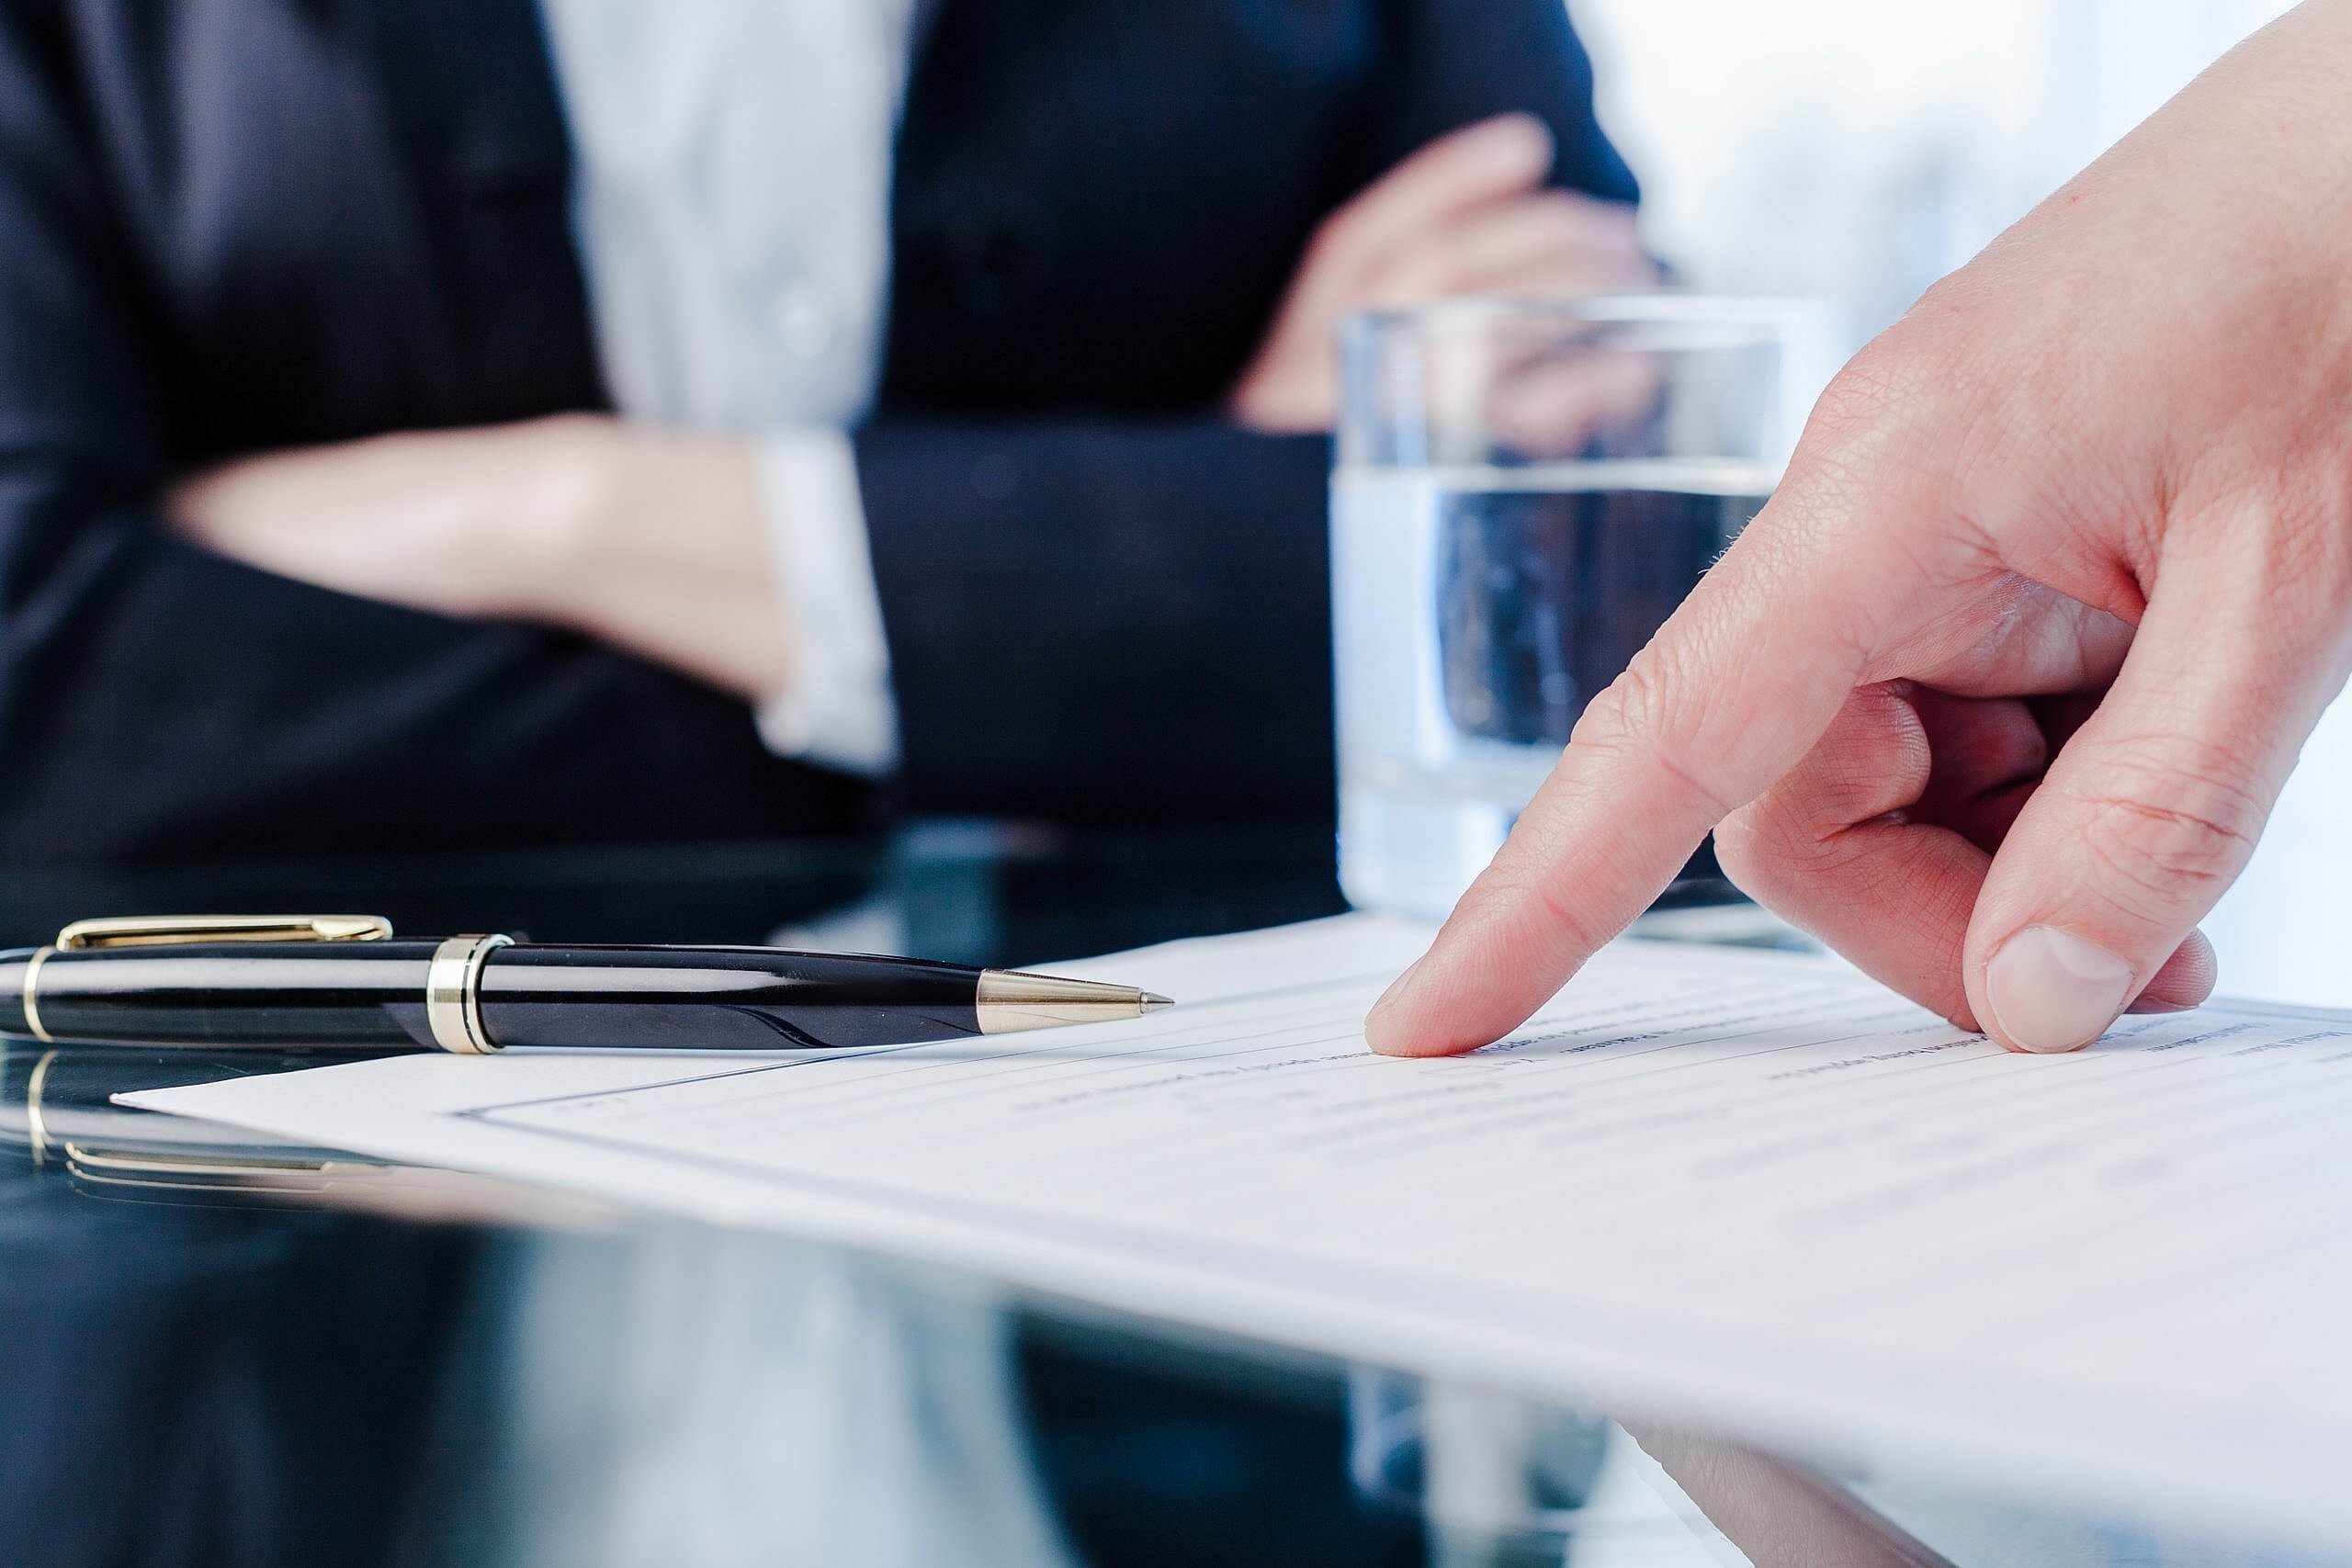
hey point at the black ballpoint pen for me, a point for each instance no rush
(344, 982)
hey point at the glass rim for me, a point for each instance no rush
(1663, 306)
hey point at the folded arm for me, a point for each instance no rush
(1083, 617)
(160, 699)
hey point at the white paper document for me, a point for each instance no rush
(1750, 1189)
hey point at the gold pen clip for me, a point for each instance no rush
(156, 930)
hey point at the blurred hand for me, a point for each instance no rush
(1997, 693)
(650, 539)
(1464, 214)
(1779, 1514)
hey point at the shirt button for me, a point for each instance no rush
(805, 320)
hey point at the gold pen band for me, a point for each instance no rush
(36, 1121)
(33, 995)
(453, 994)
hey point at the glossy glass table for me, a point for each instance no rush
(235, 1354)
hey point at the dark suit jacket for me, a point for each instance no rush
(232, 225)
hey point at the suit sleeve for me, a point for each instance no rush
(1105, 620)
(160, 702)
(1115, 620)
(1450, 62)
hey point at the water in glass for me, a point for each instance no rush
(1477, 610)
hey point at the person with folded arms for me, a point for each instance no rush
(451, 423)
(1995, 695)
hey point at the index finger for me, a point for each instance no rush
(1731, 693)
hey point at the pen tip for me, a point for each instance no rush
(1006, 1000)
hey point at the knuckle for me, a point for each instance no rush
(1559, 913)
(1520, 889)
(2162, 823)
(1873, 406)
(1737, 852)
(1625, 712)
(1770, 846)
(1579, 219)
(1414, 274)
(1600, 226)
(1895, 430)
(1573, 924)
(1643, 716)
(1334, 241)
(2290, 532)
(1748, 846)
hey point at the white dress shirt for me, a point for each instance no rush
(731, 195)
(731, 199)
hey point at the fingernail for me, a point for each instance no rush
(2049, 990)
(2158, 1004)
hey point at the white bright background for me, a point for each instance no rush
(1857, 149)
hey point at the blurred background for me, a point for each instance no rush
(1858, 150)
(1861, 151)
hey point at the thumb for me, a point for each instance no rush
(2151, 809)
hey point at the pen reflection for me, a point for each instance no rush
(201, 1384)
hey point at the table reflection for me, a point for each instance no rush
(248, 1354)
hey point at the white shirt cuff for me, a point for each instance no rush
(838, 710)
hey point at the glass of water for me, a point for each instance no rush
(1524, 491)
